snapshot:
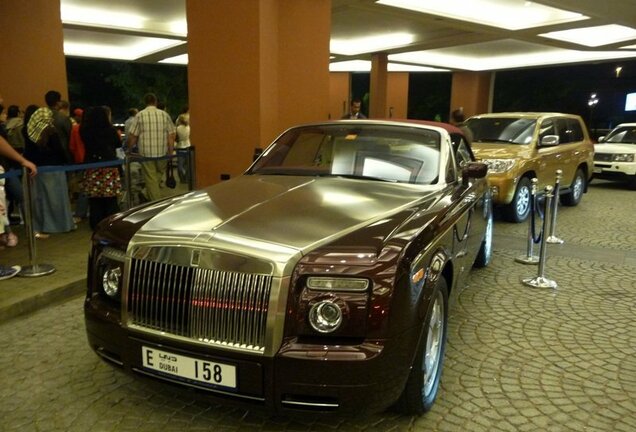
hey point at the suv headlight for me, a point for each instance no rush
(499, 166)
(623, 157)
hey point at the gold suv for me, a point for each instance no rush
(520, 146)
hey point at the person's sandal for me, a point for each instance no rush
(11, 240)
(41, 236)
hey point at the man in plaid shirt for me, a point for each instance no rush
(153, 132)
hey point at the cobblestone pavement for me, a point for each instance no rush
(518, 358)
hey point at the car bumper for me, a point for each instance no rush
(613, 170)
(365, 377)
(502, 188)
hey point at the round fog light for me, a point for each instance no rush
(325, 316)
(111, 281)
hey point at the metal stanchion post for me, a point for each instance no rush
(34, 269)
(540, 281)
(552, 238)
(128, 181)
(530, 257)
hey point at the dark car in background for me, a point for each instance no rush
(319, 280)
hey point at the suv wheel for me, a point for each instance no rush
(573, 197)
(519, 209)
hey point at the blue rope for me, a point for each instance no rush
(80, 167)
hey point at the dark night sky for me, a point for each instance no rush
(561, 89)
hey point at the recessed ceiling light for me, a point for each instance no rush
(369, 44)
(116, 47)
(508, 14)
(594, 36)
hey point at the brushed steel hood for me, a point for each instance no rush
(290, 213)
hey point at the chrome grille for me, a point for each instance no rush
(603, 157)
(205, 305)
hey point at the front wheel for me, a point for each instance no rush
(519, 209)
(573, 197)
(485, 251)
(422, 384)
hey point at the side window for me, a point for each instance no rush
(563, 131)
(547, 128)
(575, 130)
(463, 155)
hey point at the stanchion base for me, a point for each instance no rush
(539, 282)
(36, 270)
(554, 240)
(525, 259)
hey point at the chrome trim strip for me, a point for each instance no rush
(310, 404)
(100, 352)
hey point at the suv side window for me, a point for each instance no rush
(547, 127)
(575, 130)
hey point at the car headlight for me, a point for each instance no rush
(623, 157)
(110, 270)
(325, 316)
(498, 166)
(337, 284)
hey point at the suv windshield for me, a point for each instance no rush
(502, 129)
(368, 152)
(622, 135)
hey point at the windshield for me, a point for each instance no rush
(622, 135)
(368, 152)
(502, 129)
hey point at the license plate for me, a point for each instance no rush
(189, 368)
(598, 170)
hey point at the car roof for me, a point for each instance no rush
(451, 129)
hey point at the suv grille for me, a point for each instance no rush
(204, 305)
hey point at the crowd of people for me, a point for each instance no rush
(50, 136)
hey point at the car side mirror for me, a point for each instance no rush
(550, 141)
(473, 170)
(601, 139)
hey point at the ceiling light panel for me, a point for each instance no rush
(507, 14)
(510, 54)
(594, 36)
(376, 43)
(112, 46)
(365, 66)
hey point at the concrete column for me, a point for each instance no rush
(397, 95)
(472, 91)
(339, 94)
(255, 68)
(378, 86)
(32, 51)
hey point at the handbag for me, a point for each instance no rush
(102, 182)
(170, 181)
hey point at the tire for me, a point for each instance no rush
(485, 251)
(421, 387)
(577, 188)
(519, 209)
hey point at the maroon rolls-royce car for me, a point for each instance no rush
(320, 279)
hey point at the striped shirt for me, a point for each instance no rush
(152, 126)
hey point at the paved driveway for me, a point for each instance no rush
(518, 358)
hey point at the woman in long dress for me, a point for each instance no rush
(51, 209)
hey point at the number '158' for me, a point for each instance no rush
(208, 372)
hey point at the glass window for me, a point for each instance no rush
(502, 129)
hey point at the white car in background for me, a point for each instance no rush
(615, 155)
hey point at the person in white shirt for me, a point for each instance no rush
(183, 142)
